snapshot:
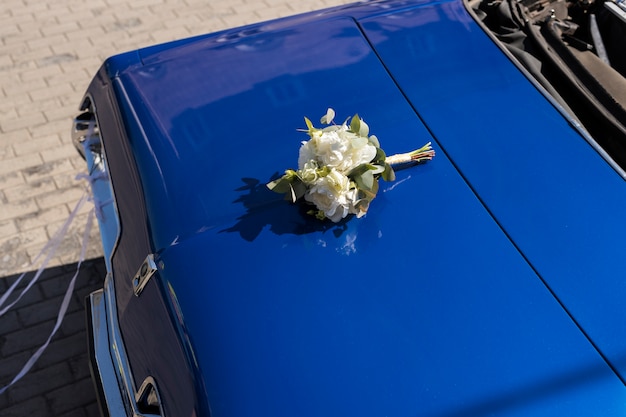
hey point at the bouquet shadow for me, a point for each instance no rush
(267, 209)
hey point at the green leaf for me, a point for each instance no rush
(355, 124)
(289, 184)
(377, 169)
(368, 194)
(374, 188)
(309, 125)
(296, 191)
(292, 194)
(281, 185)
(380, 157)
(319, 214)
(364, 129)
(363, 204)
(368, 179)
(365, 181)
(359, 170)
(388, 174)
(299, 189)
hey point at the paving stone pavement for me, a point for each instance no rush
(59, 384)
(49, 51)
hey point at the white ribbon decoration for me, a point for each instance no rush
(51, 247)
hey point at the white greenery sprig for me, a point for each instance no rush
(339, 167)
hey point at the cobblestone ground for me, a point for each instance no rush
(49, 51)
(59, 385)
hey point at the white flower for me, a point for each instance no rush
(328, 117)
(334, 195)
(336, 147)
(339, 167)
(309, 173)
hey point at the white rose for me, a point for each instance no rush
(325, 147)
(361, 151)
(338, 148)
(333, 195)
(308, 173)
(307, 154)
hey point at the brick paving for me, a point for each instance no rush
(59, 384)
(48, 53)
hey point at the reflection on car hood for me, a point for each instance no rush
(215, 126)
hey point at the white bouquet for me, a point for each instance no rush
(339, 167)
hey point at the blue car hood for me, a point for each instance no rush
(444, 299)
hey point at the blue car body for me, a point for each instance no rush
(485, 282)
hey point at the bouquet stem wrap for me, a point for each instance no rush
(425, 153)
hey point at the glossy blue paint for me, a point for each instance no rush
(439, 302)
(206, 126)
(556, 198)
(421, 308)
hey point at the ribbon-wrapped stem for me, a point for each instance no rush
(425, 153)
